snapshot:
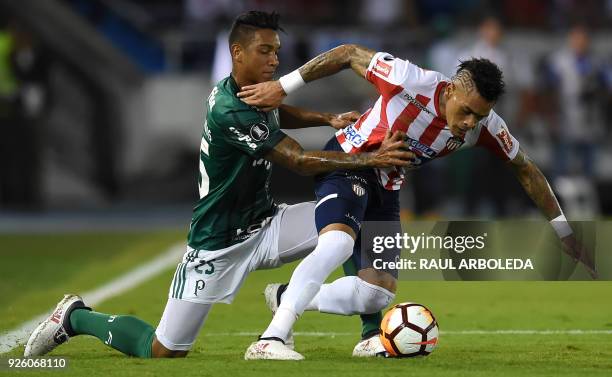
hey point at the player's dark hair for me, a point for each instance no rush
(486, 75)
(247, 23)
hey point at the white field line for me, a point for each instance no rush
(447, 332)
(125, 282)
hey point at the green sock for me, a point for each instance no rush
(124, 333)
(370, 323)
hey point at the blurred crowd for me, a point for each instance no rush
(23, 103)
(554, 55)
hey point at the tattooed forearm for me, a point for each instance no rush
(290, 154)
(317, 162)
(464, 77)
(536, 186)
(342, 57)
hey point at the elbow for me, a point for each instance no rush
(302, 167)
(348, 51)
(303, 170)
(348, 48)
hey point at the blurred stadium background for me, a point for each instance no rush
(101, 101)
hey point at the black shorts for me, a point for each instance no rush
(354, 197)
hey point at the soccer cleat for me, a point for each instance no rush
(54, 330)
(271, 349)
(370, 347)
(273, 293)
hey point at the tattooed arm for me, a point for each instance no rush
(333, 61)
(289, 153)
(269, 95)
(535, 185)
(538, 189)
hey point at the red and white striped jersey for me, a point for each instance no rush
(408, 102)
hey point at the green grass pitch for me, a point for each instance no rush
(35, 270)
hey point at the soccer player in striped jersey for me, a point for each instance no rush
(440, 116)
(236, 227)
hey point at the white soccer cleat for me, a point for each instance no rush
(271, 349)
(370, 347)
(54, 330)
(273, 293)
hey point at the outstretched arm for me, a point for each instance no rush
(536, 185)
(333, 61)
(294, 117)
(269, 95)
(290, 154)
(538, 189)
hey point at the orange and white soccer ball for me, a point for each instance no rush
(409, 329)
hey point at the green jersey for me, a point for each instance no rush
(234, 180)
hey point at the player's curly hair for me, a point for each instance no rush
(486, 75)
(247, 23)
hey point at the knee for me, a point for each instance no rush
(379, 278)
(339, 241)
(159, 351)
(375, 298)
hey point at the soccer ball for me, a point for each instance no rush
(409, 329)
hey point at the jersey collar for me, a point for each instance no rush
(233, 85)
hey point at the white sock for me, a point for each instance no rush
(350, 295)
(333, 249)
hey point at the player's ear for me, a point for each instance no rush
(450, 89)
(237, 52)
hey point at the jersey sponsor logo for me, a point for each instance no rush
(242, 137)
(453, 143)
(382, 68)
(506, 140)
(416, 103)
(259, 132)
(353, 136)
(420, 148)
(358, 189)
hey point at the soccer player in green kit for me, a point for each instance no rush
(236, 226)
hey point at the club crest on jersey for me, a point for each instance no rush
(382, 68)
(359, 190)
(453, 143)
(353, 136)
(504, 137)
(259, 132)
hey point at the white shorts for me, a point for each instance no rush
(208, 277)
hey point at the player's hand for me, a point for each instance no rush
(266, 95)
(575, 249)
(392, 151)
(339, 121)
